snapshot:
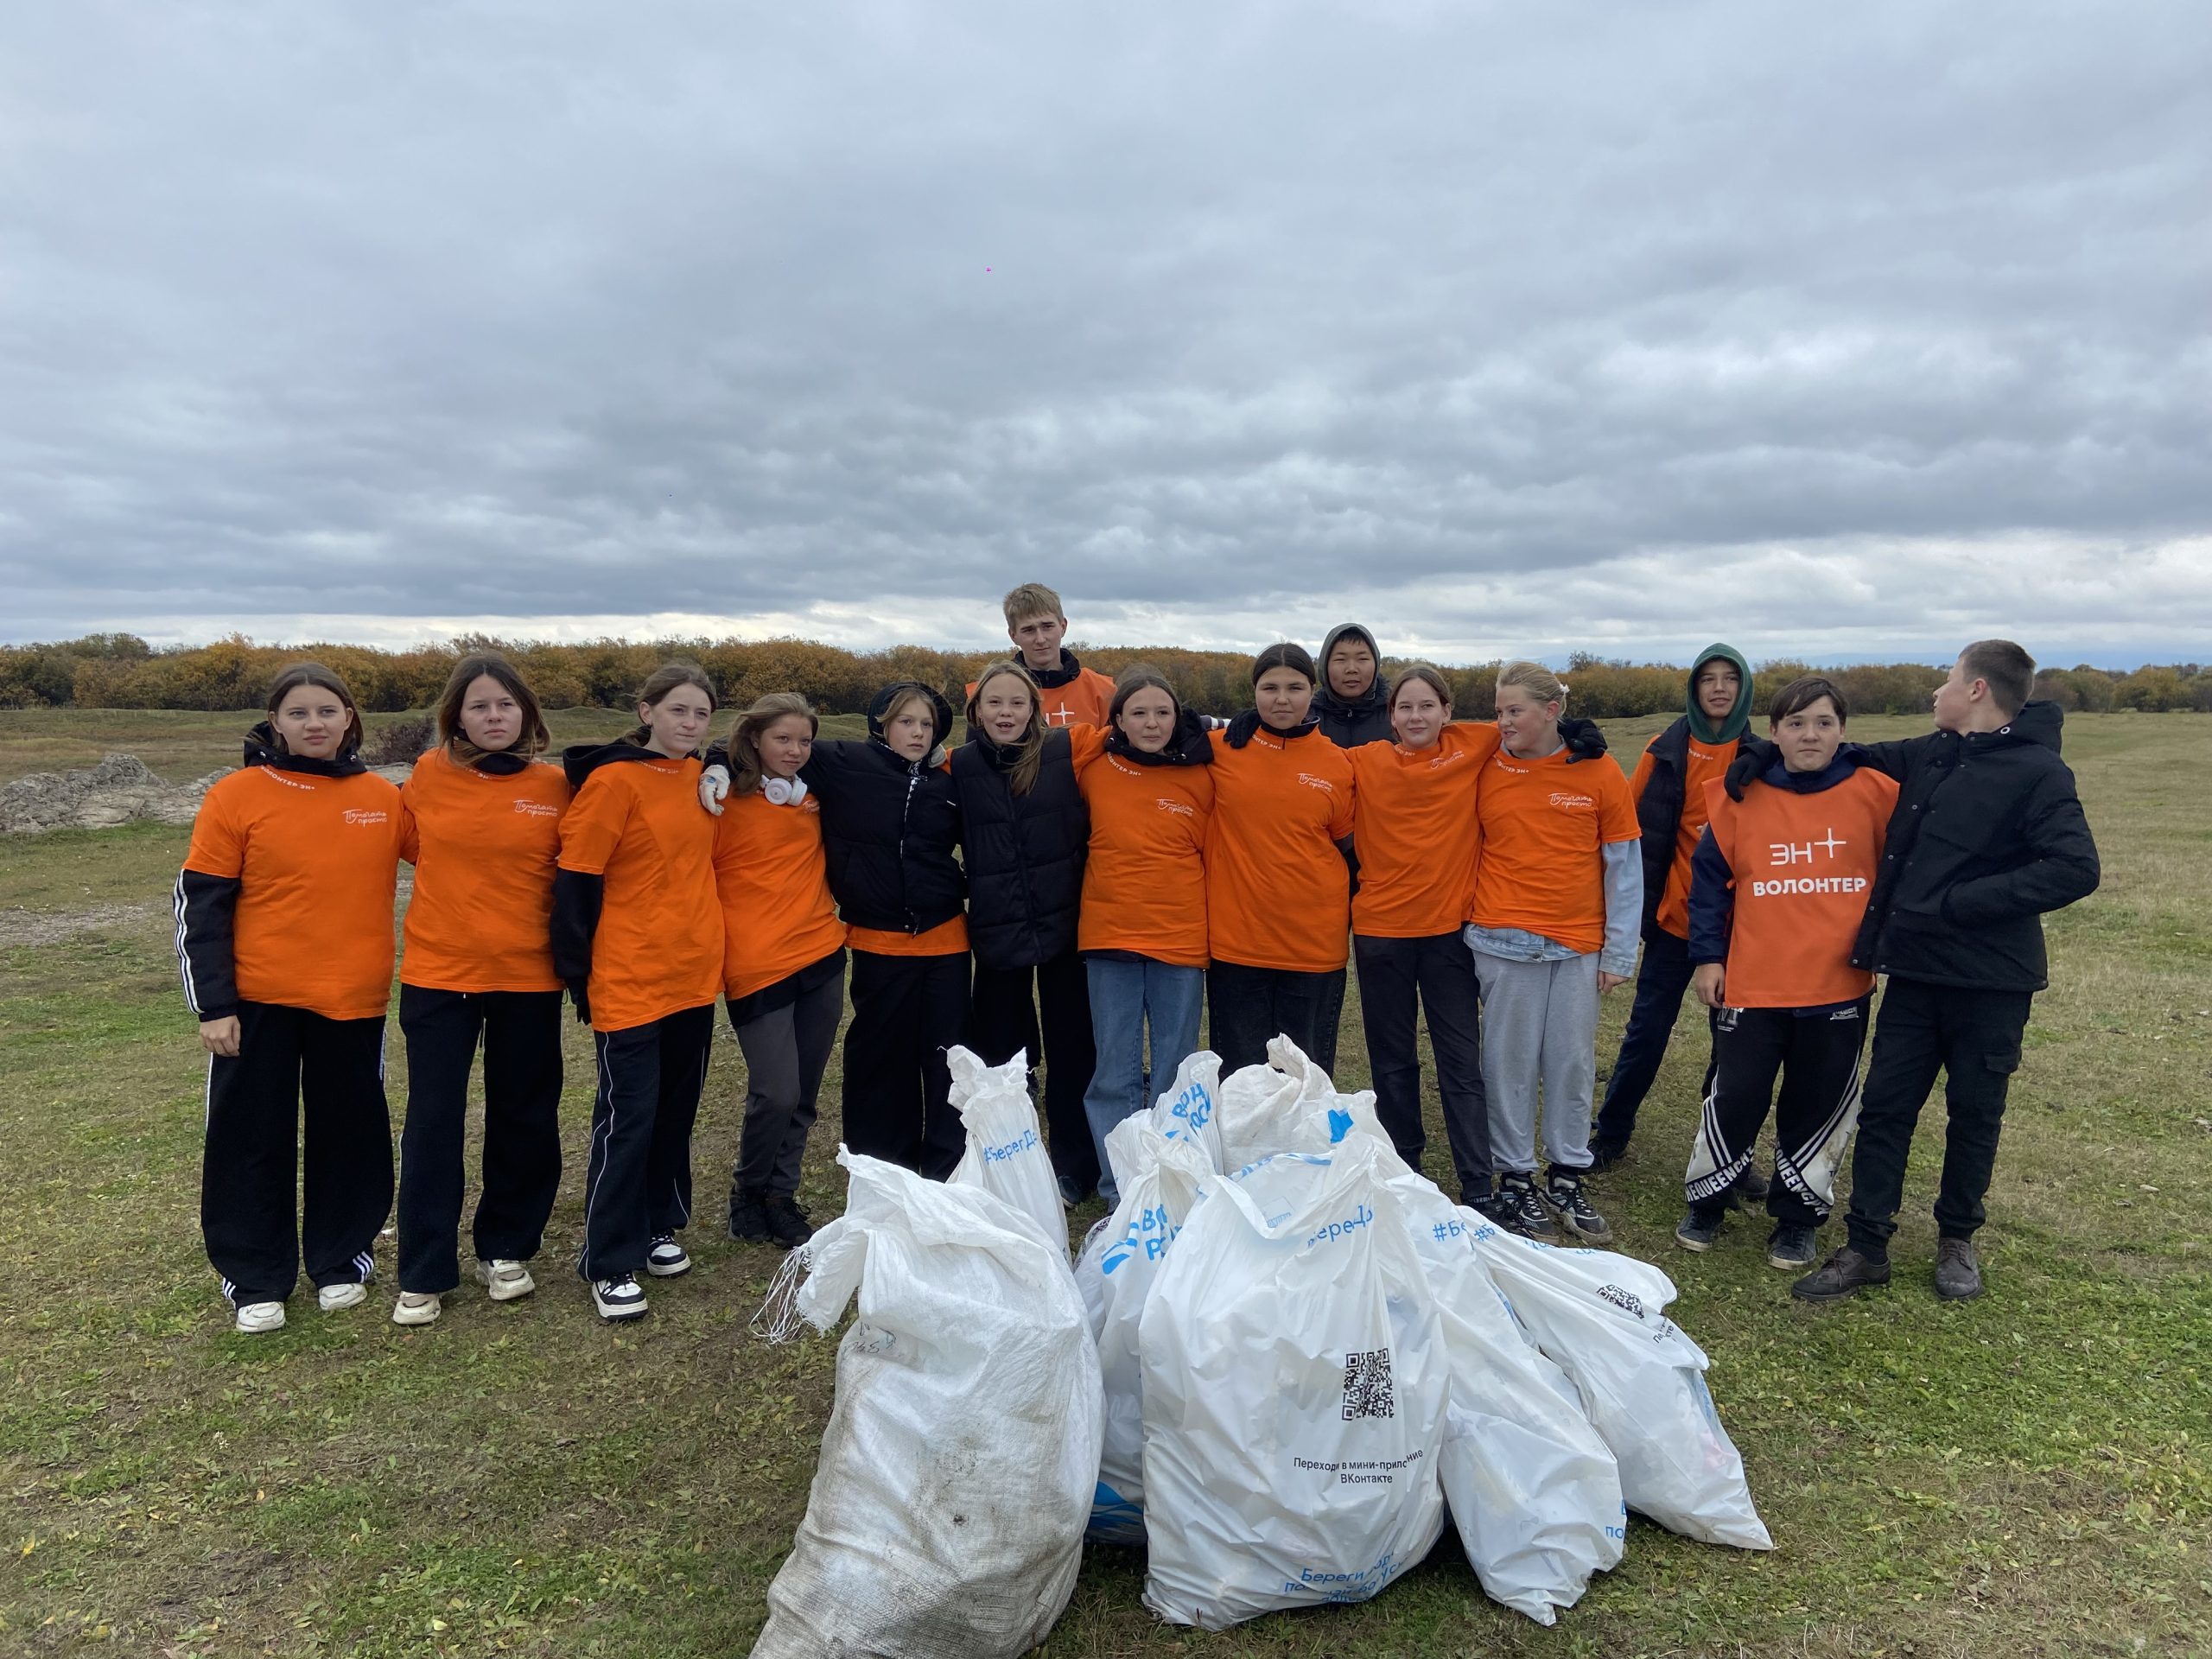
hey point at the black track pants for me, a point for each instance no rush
(1399, 978)
(786, 1053)
(906, 1012)
(638, 1185)
(292, 1067)
(1249, 1008)
(1005, 1022)
(519, 1033)
(1816, 1056)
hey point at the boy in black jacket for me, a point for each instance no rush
(1987, 836)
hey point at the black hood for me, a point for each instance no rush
(1052, 678)
(940, 715)
(1189, 745)
(261, 750)
(1326, 700)
(2040, 723)
(1846, 761)
(580, 760)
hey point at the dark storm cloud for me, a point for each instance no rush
(1503, 327)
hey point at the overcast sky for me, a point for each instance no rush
(1843, 332)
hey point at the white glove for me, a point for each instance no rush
(714, 789)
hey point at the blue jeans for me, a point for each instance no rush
(1124, 996)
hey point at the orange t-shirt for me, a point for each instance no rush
(317, 863)
(1144, 884)
(778, 915)
(1704, 763)
(1803, 865)
(659, 950)
(1278, 892)
(1416, 832)
(483, 846)
(1084, 700)
(945, 939)
(1542, 824)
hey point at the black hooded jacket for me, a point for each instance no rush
(1364, 719)
(890, 826)
(1025, 852)
(1987, 836)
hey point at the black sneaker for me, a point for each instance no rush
(1603, 1154)
(1790, 1246)
(1958, 1271)
(748, 1216)
(1563, 1192)
(787, 1223)
(1699, 1228)
(1841, 1275)
(619, 1298)
(666, 1259)
(1071, 1194)
(1518, 1210)
(1750, 1190)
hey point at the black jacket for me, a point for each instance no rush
(890, 826)
(1659, 815)
(1364, 719)
(1025, 852)
(1987, 836)
(206, 906)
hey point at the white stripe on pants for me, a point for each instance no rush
(1539, 1033)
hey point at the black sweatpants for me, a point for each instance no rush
(786, 1053)
(292, 1067)
(1816, 1055)
(1247, 1007)
(1973, 1038)
(637, 1184)
(1659, 982)
(1004, 1021)
(520, 1034)
(906, 1012)
(1398, 978)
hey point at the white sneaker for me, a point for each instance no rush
(667, 1260)
(618, 1299)
(331, 1298)
(254, 1318)
(506, 1280)
(415, 1307)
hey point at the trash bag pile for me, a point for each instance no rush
(1282, 1366)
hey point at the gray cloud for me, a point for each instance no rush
(1504, 329)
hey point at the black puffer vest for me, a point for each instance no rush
(1025, 852)
(1659, 815)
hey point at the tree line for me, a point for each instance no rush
(120, 671)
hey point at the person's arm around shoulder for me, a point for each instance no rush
(2063, 864)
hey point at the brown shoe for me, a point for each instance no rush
(1958, 1271)
(1841, 1275)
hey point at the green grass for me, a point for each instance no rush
(2026, 1475)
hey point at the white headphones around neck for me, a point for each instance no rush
(783, 791)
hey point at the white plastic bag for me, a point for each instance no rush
(1598, 1314)
(1190, 1109)
(956, 1470)
(1530, 1486)
(1005, 1153)
(1296, 1389)
(1263, 1106)
(1121, 1261)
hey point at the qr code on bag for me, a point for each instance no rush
(1367, 1385)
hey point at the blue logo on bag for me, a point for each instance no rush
(1021, 1142)
(1192, 1108)
(1151, 1232)
(1334, 1231)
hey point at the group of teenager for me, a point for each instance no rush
(1088, 873)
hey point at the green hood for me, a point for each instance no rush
(1740, 717)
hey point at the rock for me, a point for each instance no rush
(120, 790)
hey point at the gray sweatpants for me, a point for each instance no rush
(1540, 1030)
(786, 1053)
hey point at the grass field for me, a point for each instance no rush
(2027, 1475)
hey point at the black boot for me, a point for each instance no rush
(1958, 1271)
(1841, 1274)
(748, 1216)
(787, 1224)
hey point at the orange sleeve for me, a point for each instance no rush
(1616, 804)
(1342, 811)
(218, 843)
(1642, 776)
(1086, 744)
(410, 833)
(593, 825)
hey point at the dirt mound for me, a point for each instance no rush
(120, 790)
